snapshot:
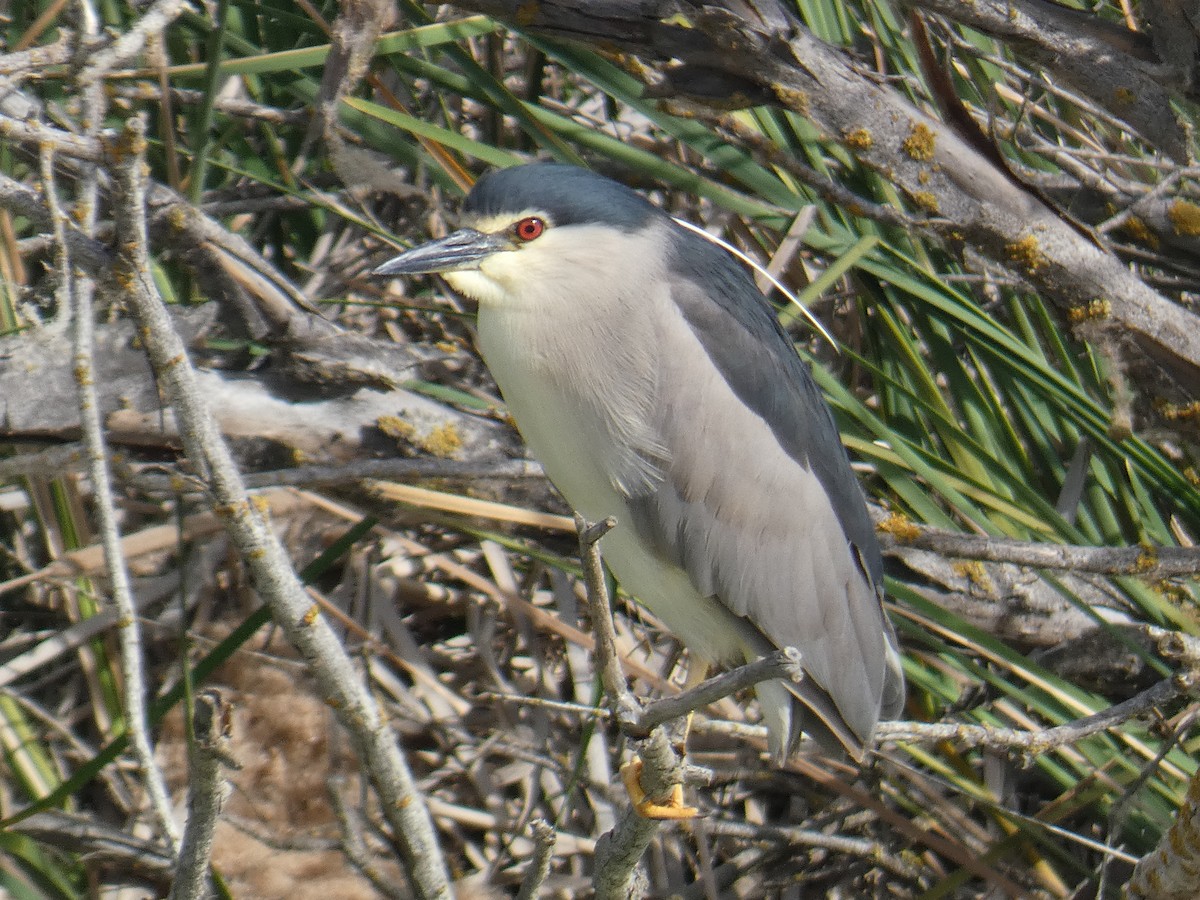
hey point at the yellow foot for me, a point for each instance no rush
(672, 808)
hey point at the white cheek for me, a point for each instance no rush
(498, 279)
(474, 283)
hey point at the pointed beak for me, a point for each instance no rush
(463, 249)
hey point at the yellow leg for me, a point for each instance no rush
(631, 772)
(671, 809)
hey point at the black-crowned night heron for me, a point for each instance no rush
(652, 380)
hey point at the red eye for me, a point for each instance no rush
(529, 228)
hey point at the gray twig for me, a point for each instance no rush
(152, 24)
(210, 750)
(76, 295)
(618, 853)
(874, 851)
(368, 469)
(1035, 742)
(1144, 562)
(353, 845)
(783, 664)
(539, 865)
(625, 706)
(293, 611)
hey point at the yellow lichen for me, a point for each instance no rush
(1096, 309)
(1123, 96)
(792, 99)
(975, 572)
(1138, 230)
(442, 441)
(900, 527)
(177, 218)
(1147, 560)
(859, 139)
(396, 428)
(1178, 412)
(1175, 594)
(927, 201)
(1185, 217)
(1026, 253)
(920, 142)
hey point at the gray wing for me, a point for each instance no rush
(757, 502)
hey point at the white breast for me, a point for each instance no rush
(573, 355)
(578, 362)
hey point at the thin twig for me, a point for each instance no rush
(368, 469)
(822, 185)
(618, 852)
(783, 664)
(539, 865)
(874, 851)
(1036, 742)
(76, 295)
(84, 837)
(625, 706)
(80, 294)
(618, 874)
(152, 23)
(402, 802)
(209, 752)
(356, 850)
(1144, 562)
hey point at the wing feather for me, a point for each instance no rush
(757, 502)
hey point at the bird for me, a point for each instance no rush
(652, 380)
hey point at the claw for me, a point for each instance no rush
(670, 809)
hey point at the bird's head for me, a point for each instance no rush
(544, 224)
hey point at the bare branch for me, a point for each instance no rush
(1035, 742)
(784, 664)
(762, 51)
(625, 706)
(402, 802)
(76, 296)
(539, 865)
(1102, 63)
(1144, 562)
(208, 754)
